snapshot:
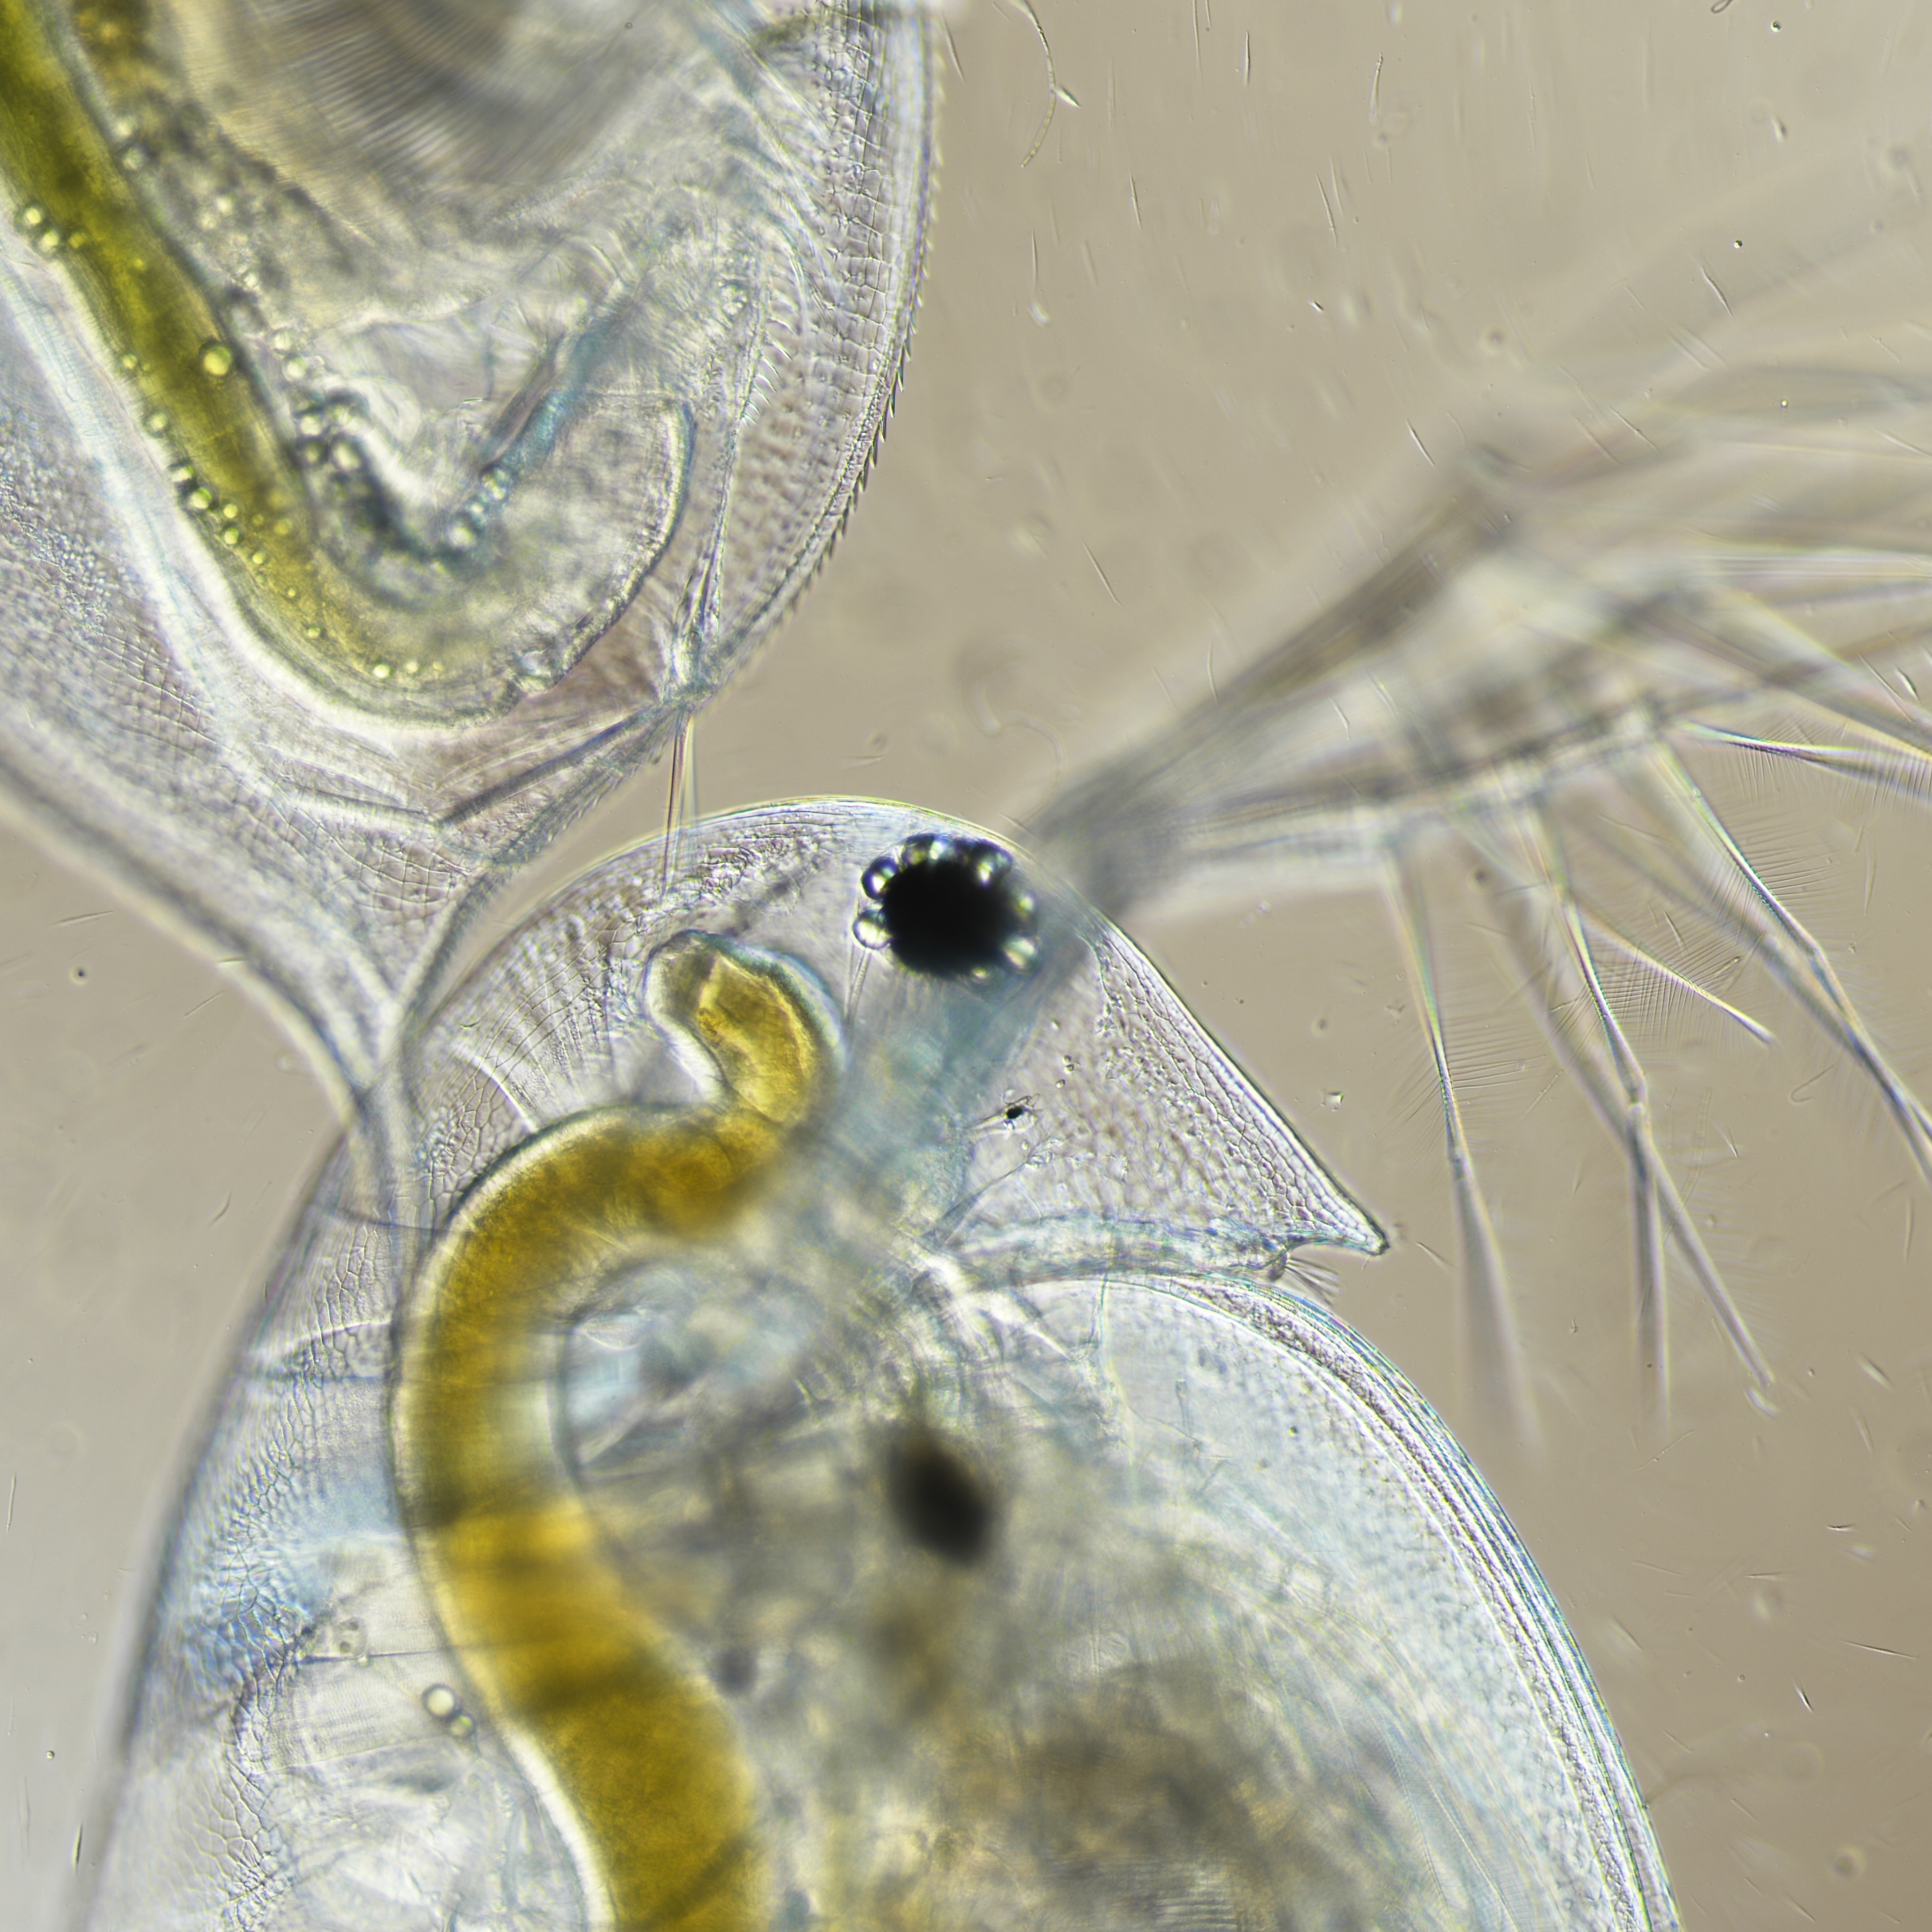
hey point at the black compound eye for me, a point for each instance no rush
(954, 908)
(937, 1498)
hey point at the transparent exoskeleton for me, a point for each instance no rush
(411, 416)
(814, 1430)
(1664, 563)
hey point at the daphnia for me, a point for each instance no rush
(817, 1429)
(408, 419)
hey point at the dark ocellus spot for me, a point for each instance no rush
(938, 1499)
(954, 907)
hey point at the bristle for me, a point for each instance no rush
(1742, 897)
(1494, 1355)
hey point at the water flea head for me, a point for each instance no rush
(953, 908)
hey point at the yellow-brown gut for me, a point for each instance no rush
(635, 1754)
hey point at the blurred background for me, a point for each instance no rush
(1218, 290)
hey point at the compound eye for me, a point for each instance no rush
(954, 908)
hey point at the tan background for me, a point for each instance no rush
(1171, 374)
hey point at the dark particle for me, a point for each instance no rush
(938, 1499)
(735, 1670)
(953, 908)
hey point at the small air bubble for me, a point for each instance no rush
(441, 1702)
